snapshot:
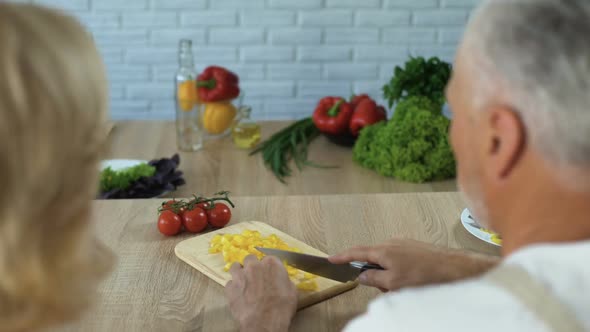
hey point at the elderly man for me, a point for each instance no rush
(520, 94)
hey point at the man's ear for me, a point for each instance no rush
(504, 141)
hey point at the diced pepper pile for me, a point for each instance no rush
(235, 247)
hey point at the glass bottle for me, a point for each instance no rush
(246, 132)
(189, 129)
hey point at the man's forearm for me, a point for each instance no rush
(458, 265)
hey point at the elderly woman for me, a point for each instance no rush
(53, 102)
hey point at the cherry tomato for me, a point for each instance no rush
(204, 205)
(195, 220)
(169, 223)
(172, 205)
(219, 215)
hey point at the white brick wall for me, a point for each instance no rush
(288, 53)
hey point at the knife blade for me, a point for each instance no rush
(321, 266)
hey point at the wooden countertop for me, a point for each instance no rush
(222, 166)
(152, 290)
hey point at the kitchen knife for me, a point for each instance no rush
(320, 265)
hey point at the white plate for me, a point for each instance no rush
(119, 164)
(475, 229)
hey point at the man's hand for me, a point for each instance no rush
(261, 296)
(410, 263)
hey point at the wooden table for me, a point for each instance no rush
(222, 166)
(152, 290)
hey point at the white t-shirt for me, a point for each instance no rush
(479, 305)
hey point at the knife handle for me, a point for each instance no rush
(364, 266)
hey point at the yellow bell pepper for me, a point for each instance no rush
(235, 247)
(187, 95)
(218, 117)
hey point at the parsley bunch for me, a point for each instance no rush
(419, 77)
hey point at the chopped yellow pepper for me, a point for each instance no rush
(235, 247)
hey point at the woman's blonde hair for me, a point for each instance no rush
(53, 102)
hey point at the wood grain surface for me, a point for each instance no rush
(222, 166)
(195, 252)
(152, 290)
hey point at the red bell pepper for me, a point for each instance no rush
(332, 115)
(355, 100)
(217, 84)
(365, 114)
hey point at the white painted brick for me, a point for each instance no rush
(444, 52)
(269, 89)
(66, 4)
(171, 37)
(335, 17)
(119, 4)
(381, 53)
(324, 53)
(215, 54)
(267, 54)
(393, 36)
(128, 73)
(163, 109)
(151, 55)
(98, 21)
(129, 109)
(249, 71)
(150, 20)
(236, 36)
(289, 109)
(303, 106)
(372, 88)
(112, 55)
(165, 73)
(440, 17)
(352, 36)
(130, 37)
(150, 91)
(297, 4)
(460, 3)
(295, 71)
(353, 4)
(320, 89)
(237, 4)
(350, 71)
(451, 36)
(382, 18)
(411, 4)
(268, 17)
(209, 18)
(116, 91)
(179, 4)
(295, 36)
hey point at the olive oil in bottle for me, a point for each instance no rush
(246, 133)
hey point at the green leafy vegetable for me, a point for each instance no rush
(419, 77)
(413, 146)
(110, 179)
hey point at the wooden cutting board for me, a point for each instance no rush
(195, 252)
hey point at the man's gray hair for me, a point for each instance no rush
(539, 52)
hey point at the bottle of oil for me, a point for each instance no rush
(246, 132)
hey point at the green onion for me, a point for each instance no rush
(288, 144)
